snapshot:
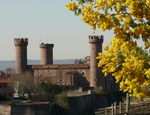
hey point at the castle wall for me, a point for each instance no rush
(76, 75)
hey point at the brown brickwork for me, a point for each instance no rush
(46, 53)
(75, 75)
(21, 54)
(95, 72)
(65, 74)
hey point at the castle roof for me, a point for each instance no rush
(60, 66)
(5, 78)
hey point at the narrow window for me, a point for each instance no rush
(40, 75)
(95, 79)
(32, 74)
(82, 73)
(40, 80)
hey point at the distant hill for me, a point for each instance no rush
(11, 64)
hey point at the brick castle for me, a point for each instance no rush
(86, 74)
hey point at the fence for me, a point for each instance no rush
(116, 108)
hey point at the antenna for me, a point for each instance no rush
(93, 32)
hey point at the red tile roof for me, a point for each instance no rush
(5, 81)
(4, 78)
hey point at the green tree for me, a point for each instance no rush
(51, 89)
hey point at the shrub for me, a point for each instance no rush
(29, 101)
(99, 90)
(62, 100)
(2, 97)
(11, 103)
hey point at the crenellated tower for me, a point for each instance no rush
(21, 54)
(96, 77)
(46, 53)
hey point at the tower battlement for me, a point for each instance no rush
(21, 54)
(20, 41)
(42, 45)
(95, 39)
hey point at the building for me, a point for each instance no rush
(6, 86)
(76, 75)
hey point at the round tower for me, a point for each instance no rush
(95, 48)
(21, 54)
(46, 53)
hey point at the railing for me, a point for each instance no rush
(115, 109)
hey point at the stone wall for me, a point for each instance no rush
(83, 105)
(78, 105)
(43, 109)
(5, 110)
(38, 109)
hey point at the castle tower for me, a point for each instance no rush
(95, 72)
(46, 53)
(21, 54)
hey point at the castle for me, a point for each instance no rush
(87, 74)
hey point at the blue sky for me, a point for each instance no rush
(46, 20)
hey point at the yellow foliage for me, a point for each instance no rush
(130, 20)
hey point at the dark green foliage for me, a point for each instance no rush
(2, 72)
(2, 98)
(52, 89)
(116, 96)
(45, 91)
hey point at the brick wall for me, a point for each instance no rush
(60, 74)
